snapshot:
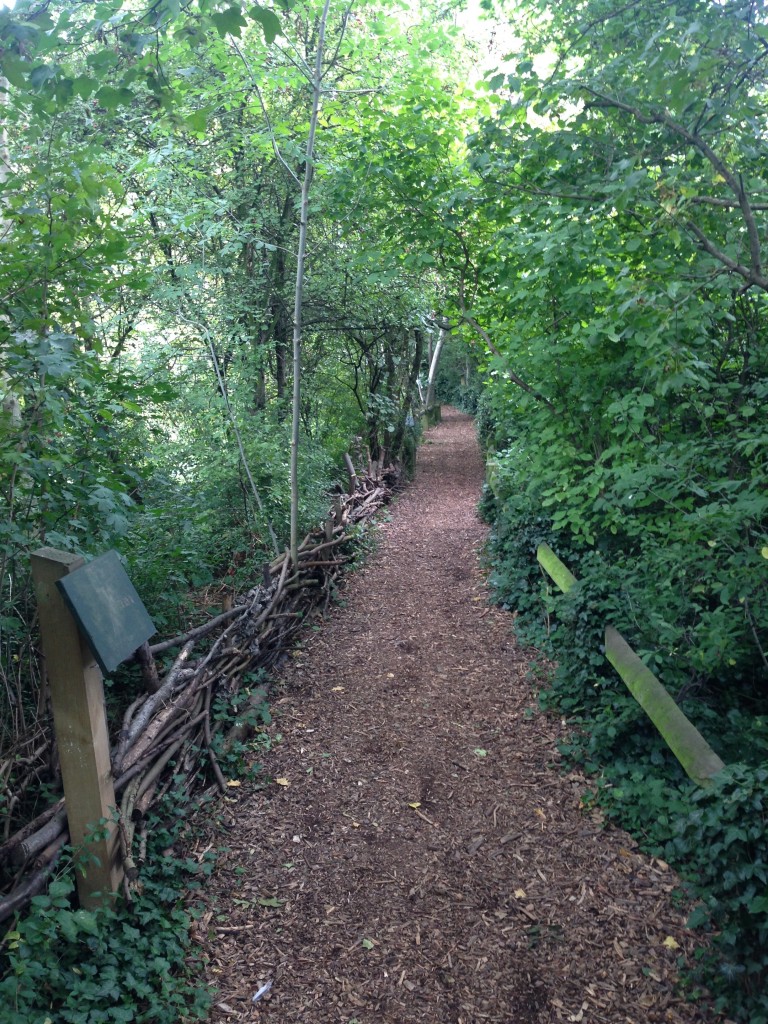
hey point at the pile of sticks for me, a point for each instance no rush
(173, 736)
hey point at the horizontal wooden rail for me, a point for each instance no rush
(697, 758)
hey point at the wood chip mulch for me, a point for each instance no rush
(415, 855)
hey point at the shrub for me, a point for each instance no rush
(722, 847)
(127, 963)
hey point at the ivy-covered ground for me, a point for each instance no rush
(413, 851)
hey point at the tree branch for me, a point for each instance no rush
(728, 204)
(264, 111)
(738, 268)
(754, 274)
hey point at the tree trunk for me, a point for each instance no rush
(435, 364)
(317, 82)
(409, 393)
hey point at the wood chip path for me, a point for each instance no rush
(415, 855)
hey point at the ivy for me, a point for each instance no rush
(125, 963)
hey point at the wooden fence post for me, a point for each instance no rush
(351, 472)
(697, 758)
(79, 715)
(559, 572)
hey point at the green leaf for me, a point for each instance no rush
(43, 73)
(68, 926)
(230, 22)
(197, 122)
(698, 917)
(15, 70)
(271, 901)
(112, 98)
(86, 921)
(269, 22)
(83, 86)
(24, 33)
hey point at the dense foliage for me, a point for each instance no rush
(151, 162)
(587, 228)
(150, 191)
(126, 963)
(624, 171)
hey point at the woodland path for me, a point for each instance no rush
(497, 898)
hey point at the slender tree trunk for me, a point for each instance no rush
(281, 324)
(231, 415)
(9, 400)
(281, 334)
(5, 160)
(409, 393)
(434, 365)
(317, 84)
(260, 389)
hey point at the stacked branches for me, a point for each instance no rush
(169, 737)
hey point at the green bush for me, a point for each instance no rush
(458, 380)
(130, 964)
(687, 592)
(722, 847)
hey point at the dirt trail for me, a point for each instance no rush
(429, 861)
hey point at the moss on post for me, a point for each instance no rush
(559, 572)
(685, 741)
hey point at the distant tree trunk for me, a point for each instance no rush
(5, 156)
(409, 392)
(274, 334)
(281, 335)
(9, 400)
(260, 389)
(5, 160)
(435, 364)
(317, 83)
(249, 326)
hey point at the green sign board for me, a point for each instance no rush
(107, 609)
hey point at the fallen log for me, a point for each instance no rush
(21, 895)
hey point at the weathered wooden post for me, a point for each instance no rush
(79, 717)
(338, 511)
(91, 619)
(351, 472)
(698, 759)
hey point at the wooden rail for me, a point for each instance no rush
(697, 758)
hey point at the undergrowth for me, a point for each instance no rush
(134, 963)
(131, 963)
(717, 839)
(128, 962)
